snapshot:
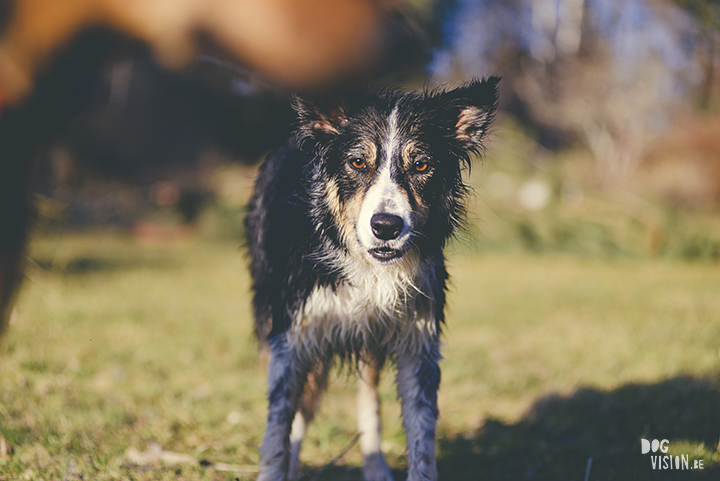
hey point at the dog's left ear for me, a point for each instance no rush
(467, 112)
(319, 118)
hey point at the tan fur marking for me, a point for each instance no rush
(338, 211)
(325, 126)
(346, 218)
(345, 214)
(333, 199)
(408, 154)
(371, 154)
(468, 119)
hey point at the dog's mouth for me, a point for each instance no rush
(385, 254)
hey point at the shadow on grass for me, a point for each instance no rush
(87, 265)
(556, 439)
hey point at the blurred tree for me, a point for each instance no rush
(707, 13)
(609, 73)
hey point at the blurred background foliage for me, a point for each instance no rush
(607, 142)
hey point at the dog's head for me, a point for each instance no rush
(388, 170)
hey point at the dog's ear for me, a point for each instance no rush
(467, 111)
(319, 118)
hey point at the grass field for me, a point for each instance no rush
(133, 361)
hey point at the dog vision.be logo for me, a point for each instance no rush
(667, 461)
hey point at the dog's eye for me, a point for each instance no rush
(421, 166)
(358, 164)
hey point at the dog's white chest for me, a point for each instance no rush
(346, 304)
(378, 314)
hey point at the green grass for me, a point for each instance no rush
(550, 360)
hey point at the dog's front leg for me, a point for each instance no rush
(374, 466)
(286, 379)
(418, 379)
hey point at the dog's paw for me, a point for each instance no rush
(375, 468)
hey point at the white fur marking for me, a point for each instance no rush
(469, 123)
(385, 195)
(374, 466)
(297, 434)
(368, 416)
(392, 137)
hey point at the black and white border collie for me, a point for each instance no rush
(346, 230)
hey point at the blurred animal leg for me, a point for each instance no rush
(14, 225)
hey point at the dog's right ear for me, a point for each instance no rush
(466, 113)
(319, 118)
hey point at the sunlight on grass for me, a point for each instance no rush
(549, 360)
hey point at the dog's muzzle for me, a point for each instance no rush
(386, 227)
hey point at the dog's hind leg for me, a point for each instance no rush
(374, 466)
(310, 401)
(286, 381)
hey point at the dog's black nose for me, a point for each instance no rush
(386, 226)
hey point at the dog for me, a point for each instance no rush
(346, 229)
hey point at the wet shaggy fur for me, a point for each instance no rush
(346, 231)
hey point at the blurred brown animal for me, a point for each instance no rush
(298, 44)
(309, 46)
